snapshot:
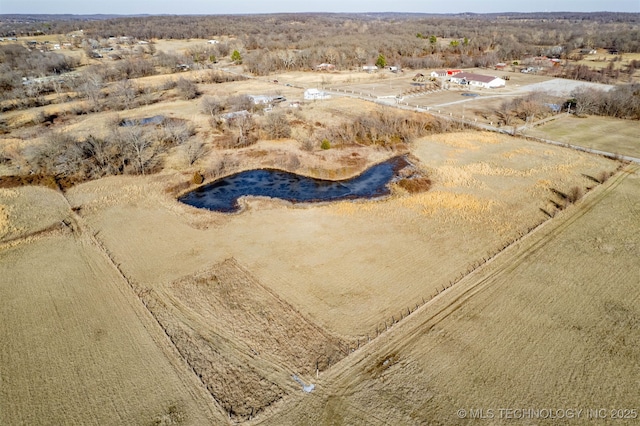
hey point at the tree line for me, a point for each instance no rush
(512, 35)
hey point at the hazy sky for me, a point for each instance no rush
(272, 6)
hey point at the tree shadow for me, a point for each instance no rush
(560, 194)
(591, 178)
(549, 215)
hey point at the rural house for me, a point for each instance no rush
(438, 73)
(314, 94)
(478, 80)
(266, 100)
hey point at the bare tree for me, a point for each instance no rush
(244, 127)
(194, 149)
(505, 113)
(586, 100)
(240, 103)
(143, 149)
(187, 89)
(90, 86)
(176, 132)
(212, 105)
(287, 59)
(124, 93)
(360, 55)
(277, 126)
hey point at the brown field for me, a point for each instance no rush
(602, 133)
(552, 323)
(124, 306)
(338, 266)
(29, 210)
(602, 60)
(78, 347)
(249, 300)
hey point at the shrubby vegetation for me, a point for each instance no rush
(126, 150)
(384, 127)
(621, 102)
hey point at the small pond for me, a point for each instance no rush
(223, 194)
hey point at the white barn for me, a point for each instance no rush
(313, 94)
(478, 80)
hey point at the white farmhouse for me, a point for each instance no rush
(478, 80)
(260, 99)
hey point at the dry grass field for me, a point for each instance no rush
(242, 341)
(123, 306)
(335, 263)
(29, 210)
(318, 281)
(552, 323)
(78, 347)
(602, 133)
(603, 60)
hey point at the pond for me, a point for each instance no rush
(223, 194)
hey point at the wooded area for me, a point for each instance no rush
(100, 64)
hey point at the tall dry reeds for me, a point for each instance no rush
(384, 127)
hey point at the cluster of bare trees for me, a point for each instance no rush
(126, 150)
(273, 43)
(285, 42)
(239, 127)
(622, 101)
(216, 105)
(536, 105)
(582, 72)
(384, 127)
(18, 62)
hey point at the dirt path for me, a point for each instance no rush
(450, 300)
(463, 349)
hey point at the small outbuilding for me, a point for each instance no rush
(235, 115)
(315, 94)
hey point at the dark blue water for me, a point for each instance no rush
(222, 195)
